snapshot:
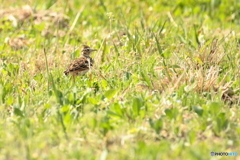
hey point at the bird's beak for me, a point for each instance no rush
(93, 50)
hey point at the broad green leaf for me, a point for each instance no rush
(113, 114)
(110, 93)
(156, 125)
(215, 107)
(92, 100)
(136, 106)
(104, 84)
(18, 112)
(117, 109)
(192, 136)
(169, 113)
(167, 55)
(198, 110)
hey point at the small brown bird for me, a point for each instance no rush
(81, 65)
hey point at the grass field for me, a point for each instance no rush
(165, 83)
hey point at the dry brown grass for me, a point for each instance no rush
(199, 73)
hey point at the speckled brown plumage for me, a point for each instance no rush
(81, 65)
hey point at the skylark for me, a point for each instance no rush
(81, 65)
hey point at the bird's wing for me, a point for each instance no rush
(79, 64)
